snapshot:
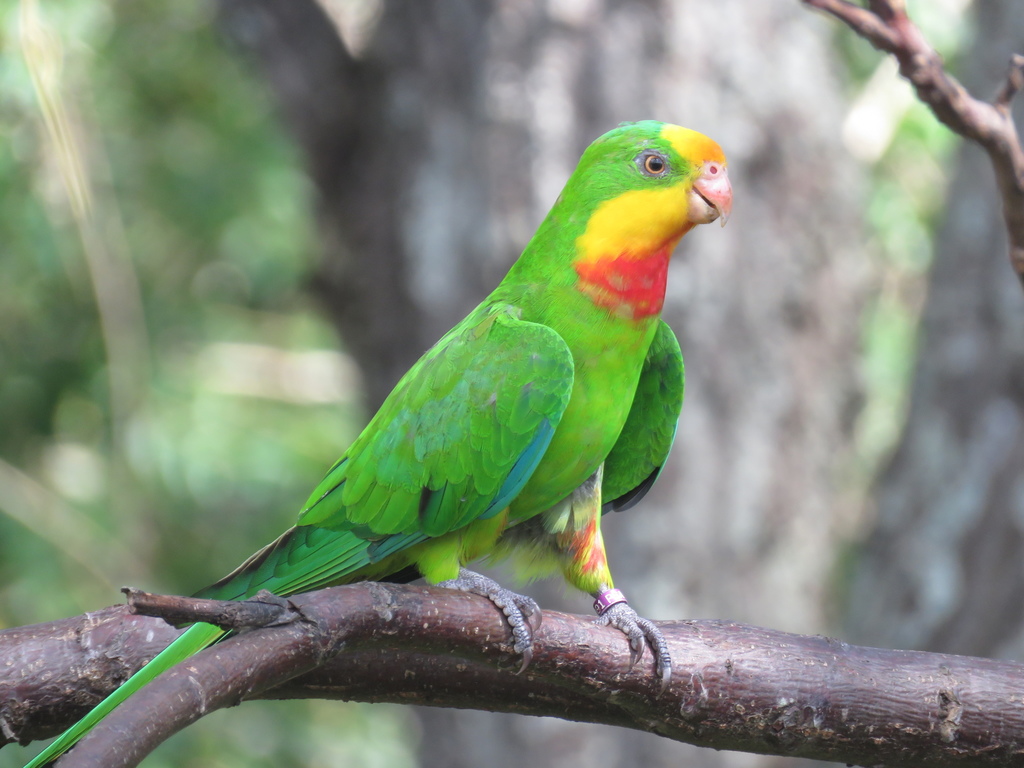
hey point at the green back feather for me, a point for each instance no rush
(457, 438)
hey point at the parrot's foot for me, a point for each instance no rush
(614, 611)
(519, 609)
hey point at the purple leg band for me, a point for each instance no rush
(607, 599)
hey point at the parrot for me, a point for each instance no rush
(553, 402)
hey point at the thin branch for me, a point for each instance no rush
(1014, 82)
(264, 610)
(735, 687)
(885, 24)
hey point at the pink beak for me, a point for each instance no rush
(714, 188)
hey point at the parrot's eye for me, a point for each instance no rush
(653, 164)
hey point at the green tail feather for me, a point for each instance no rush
(197, 637)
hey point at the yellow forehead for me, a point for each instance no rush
(694, 146)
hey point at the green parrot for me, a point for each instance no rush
(552, 402)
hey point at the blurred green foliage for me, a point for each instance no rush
(168, 394)
(907, 198)
(908, 154)
(908, 157)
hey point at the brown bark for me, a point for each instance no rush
(736, 686)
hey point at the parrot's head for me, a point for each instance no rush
(649, 183)
(636, 191)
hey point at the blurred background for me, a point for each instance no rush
(227, 228)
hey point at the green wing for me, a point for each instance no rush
(454, 442)
(646, 438)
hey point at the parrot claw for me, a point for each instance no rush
(640, 632)
(521, 612)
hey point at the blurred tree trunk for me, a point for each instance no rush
(944, 566)
(439, 146)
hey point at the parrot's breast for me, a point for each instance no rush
(608, 352)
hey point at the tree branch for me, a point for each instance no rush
(263, 610)
(735, 686)
(885, 24)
